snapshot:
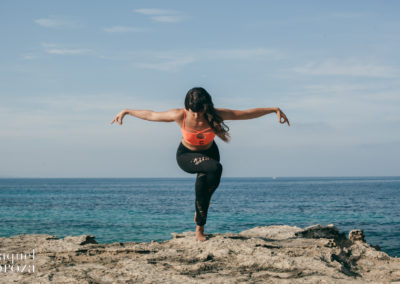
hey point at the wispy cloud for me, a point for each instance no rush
(154, 12)
(55, 49)
(346, 105)
(174, 60)
(54, 115)
(70, 51)
(160, 15)
(346, 68)
(385, 93)
(54, 22)
(29, 56)
(167, 63)
(167, 19)
(336, 88)
(243, 53)
(124, 29)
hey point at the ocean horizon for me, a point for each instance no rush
(145, 209)
(180, 177)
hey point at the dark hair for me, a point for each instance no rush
(198, 99)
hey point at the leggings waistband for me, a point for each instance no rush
(183, 149)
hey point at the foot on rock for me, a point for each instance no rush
(201, 238)
(200, 234)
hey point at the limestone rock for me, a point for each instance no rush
(81, 240)
(356, 235)
(270, 254)
(318, 231)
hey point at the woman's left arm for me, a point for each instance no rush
(230, 114)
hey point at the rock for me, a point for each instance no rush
(356, 235)
(273, 232)
(270, 254)
(176, 235)
(318, 231)
(81, 240)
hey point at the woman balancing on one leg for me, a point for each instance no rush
(198, 153)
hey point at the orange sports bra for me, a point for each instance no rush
(196, 137)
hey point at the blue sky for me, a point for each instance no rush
(68, 67)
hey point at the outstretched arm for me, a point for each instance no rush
(230, 114)
(165, 116)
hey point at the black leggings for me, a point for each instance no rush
(208, 168)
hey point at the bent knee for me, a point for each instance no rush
(217, 171)
(219, 168)
(215, 168)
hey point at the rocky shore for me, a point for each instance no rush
(271, 254)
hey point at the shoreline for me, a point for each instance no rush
(277, 254)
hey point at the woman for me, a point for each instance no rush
(198, 153)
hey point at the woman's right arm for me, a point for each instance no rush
(164, 116)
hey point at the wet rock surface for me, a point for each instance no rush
(270, 254)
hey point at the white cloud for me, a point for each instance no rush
(336, 88)
(123, 29)
(53, 22)
(173, 60)
(243, 53)
(167, 19)
(29, 56)
(70, 51)
(168, 63)
(48, 23)
(56, 115)
(345, 105)
(354, 68)
(153, 12)
(55, 49)
(160, 15)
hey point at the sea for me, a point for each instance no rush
(145, 209)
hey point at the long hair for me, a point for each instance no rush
(198, 99)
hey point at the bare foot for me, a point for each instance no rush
(199, 234)
(201, 238)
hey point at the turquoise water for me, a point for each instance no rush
(121, 210)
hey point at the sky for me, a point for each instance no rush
(69, 67)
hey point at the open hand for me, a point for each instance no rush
(281, 116)
(119, 117)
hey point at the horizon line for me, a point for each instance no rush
(271, 177)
